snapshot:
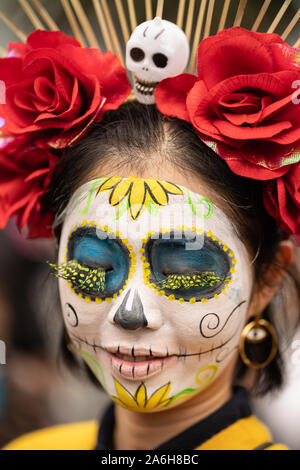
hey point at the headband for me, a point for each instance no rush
(243, 103)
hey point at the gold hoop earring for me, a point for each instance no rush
(255, 333)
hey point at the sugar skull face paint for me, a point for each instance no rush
(154, 286)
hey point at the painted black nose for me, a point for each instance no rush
(131, 317)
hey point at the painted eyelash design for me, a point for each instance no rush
(81, 277)
(189, 280)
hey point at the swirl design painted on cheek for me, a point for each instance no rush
(71, 315)
(211, 322)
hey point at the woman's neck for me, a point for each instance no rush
(145, 431)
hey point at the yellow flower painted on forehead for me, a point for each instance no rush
(135, 194)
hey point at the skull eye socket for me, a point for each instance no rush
(137, 54)
(160, 60)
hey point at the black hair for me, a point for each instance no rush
(137, 137)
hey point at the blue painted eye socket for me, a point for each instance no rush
(103, 254)
(187, 273)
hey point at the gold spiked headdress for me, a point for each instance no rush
(107, 24)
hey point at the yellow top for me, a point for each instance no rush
(245, 434)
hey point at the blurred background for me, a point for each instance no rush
(34, 391)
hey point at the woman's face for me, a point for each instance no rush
(156, 288)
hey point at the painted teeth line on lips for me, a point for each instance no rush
(125, 357)
(129, 368)
(133, 368)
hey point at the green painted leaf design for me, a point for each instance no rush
(85, 210)
(196, 211)
(152, 208)
(123, 207)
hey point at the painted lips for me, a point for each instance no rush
(139, 367)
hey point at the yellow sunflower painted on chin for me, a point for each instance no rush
(135, 194)
(140, 401)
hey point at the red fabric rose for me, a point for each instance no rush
(282, 200)
(244, 101)
(55, 89)
(25, 173)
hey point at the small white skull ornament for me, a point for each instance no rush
(157, 49)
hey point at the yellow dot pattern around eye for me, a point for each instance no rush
(172, 297)
(132, 260)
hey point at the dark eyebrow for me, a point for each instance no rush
(144, 33)
(83, 232)
(159, 33)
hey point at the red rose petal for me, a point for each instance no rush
(241, 102)
(54, 62)
(36, 174)
(171, 95)
(54, 66)
(29, 207)
(282, 200)
(196, 101)
(52, 39)
(235, 53)
(243, 133)
(24, 101)
(203, 116)
(65, 122)
(24, 182)
(115, 86)
(262, 154)
(285, 57)
(293, 183)
(44, 91)
(106, 68)
(68, 115)
(277, 105)
(17, 49)
(287, 137)
(40, 225)
(242, 167)
(10, 69)
(71, 136)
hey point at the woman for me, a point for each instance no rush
(170, 269)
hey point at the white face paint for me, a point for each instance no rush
(156, 50)
(168, 318)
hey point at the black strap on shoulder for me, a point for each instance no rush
(264, 446)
